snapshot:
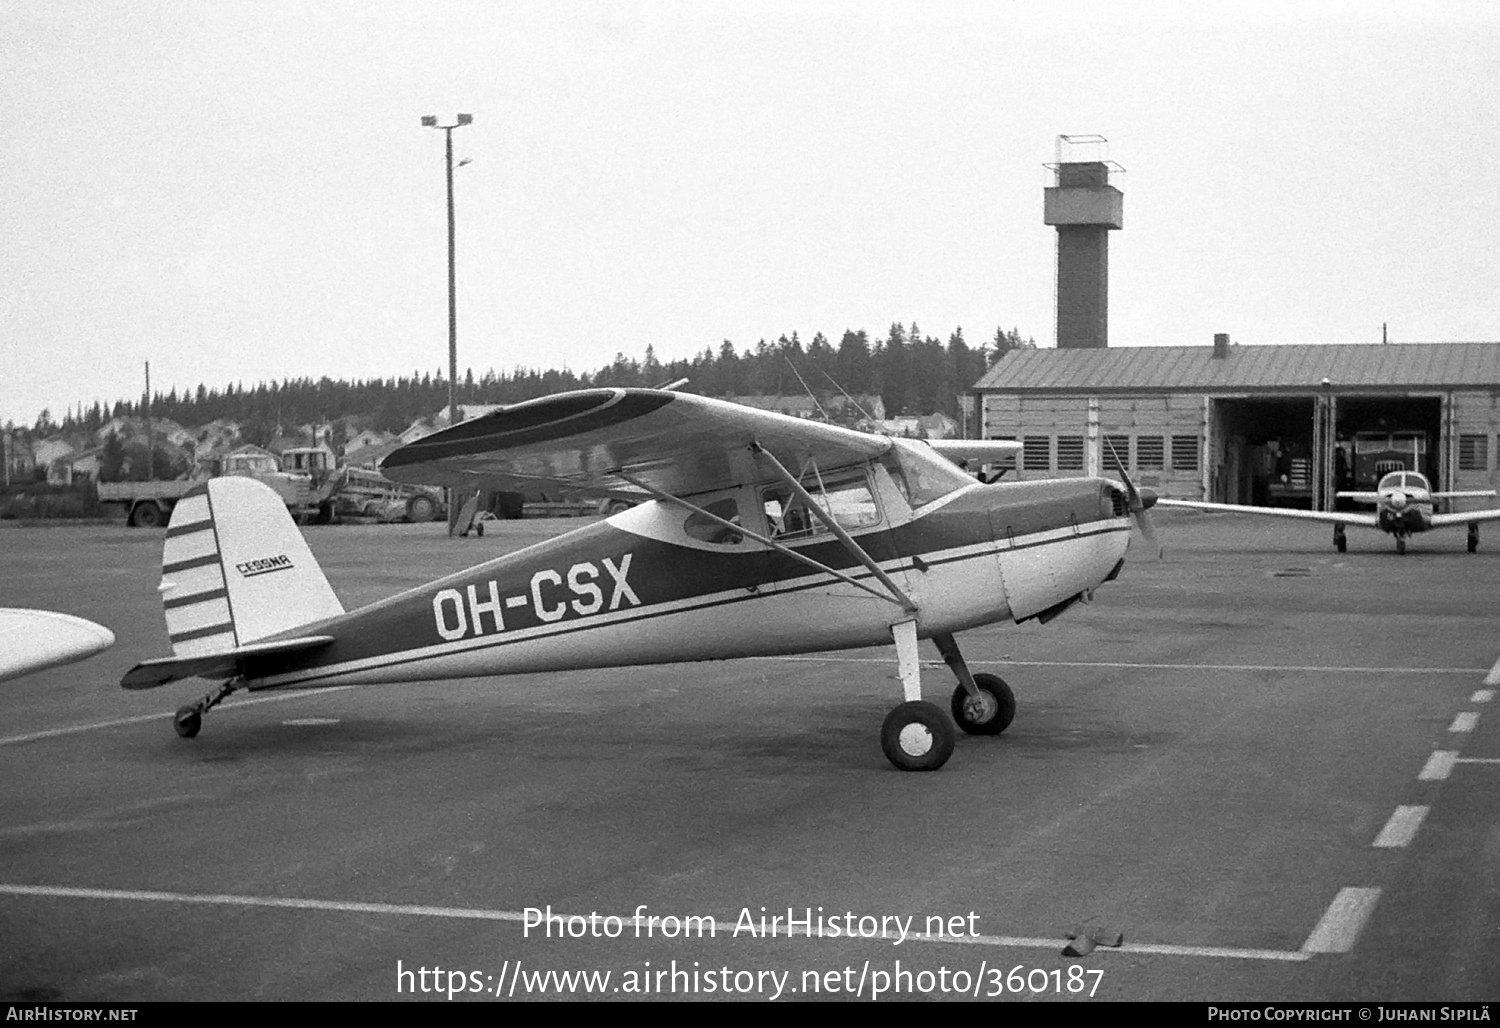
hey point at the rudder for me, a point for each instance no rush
(236, 569)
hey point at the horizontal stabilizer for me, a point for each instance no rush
(150, 673)
(31, 640)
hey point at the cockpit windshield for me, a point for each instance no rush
(921, 474)
(1403, 480)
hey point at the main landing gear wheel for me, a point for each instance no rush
(1400, 544)
(188, 721)
(989, 713)
(917, 736)
(1340, 541)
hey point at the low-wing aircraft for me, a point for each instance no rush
(1403, 507)
(760, 534)
(33, 640)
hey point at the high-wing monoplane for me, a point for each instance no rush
(759, 534)
(32, 640)
(1403, 502)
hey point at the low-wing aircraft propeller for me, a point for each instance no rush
(758, 534)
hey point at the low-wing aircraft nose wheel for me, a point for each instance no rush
(990, 712)
(917, 736)
(1400, 544)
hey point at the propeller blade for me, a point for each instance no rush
(1139, 501)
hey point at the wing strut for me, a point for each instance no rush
(903, 600)
(764, 541)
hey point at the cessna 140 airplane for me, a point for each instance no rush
(761, 534)
(1403, 507)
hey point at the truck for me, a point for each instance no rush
(305, 478)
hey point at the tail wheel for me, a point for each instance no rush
(917, 736)
(989, 713)
(188, 721)
(147, 515)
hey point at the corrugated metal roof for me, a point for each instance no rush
(1194, 368)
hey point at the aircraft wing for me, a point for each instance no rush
(31, 640)
(1464, 494)
(579, 442)
(1332, 517)
(985, 451)
(1465, 517)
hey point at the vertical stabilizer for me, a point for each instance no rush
(235, 569)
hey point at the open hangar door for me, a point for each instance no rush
(1300, 451)
(1374, 435)
(1262, 451)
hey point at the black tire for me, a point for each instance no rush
(420, 509)
(917, 736)
(188, 722)
(325, 513)
(147, 515)
(616, 507)
(1340, 540)
(1473, 538)
(1400, 544)
(999, 705)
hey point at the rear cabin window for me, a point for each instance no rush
(706, 529)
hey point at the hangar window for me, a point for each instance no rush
(1184, 453)
(1150, 452)
(1036, 453)
(1070, 453)
(1114, 451)
(1473, 453)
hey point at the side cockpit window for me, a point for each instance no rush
(707, 530)
(845, 497)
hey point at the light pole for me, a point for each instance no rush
(430, 121)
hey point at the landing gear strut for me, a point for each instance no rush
(918, 735)
(1340, 542)
(188, 721)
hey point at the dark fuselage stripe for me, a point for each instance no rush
(500, 640)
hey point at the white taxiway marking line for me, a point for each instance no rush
(1464, 722)
(1162, 667)
(1401, 828)
(1477, 760)
(1342, 921)
(1493, 678)
(1438, 766)
(721, 924)
(1482, 696)
(226, 706)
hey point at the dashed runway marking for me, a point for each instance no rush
(1438, 766)
(1482, 696)
(1342, 921)
(1401, 828)
(1493, 678)
(1464, 722)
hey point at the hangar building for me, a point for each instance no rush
(1267, 425)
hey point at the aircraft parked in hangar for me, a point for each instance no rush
(761, 534)
(1403, 507)
(33, 640)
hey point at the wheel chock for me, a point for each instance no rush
(1081, 941)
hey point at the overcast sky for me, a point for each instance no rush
(244, 192)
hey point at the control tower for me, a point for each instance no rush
(1085, 208)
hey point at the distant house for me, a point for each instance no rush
(53, 455)
(363, 441)
(85, 464)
